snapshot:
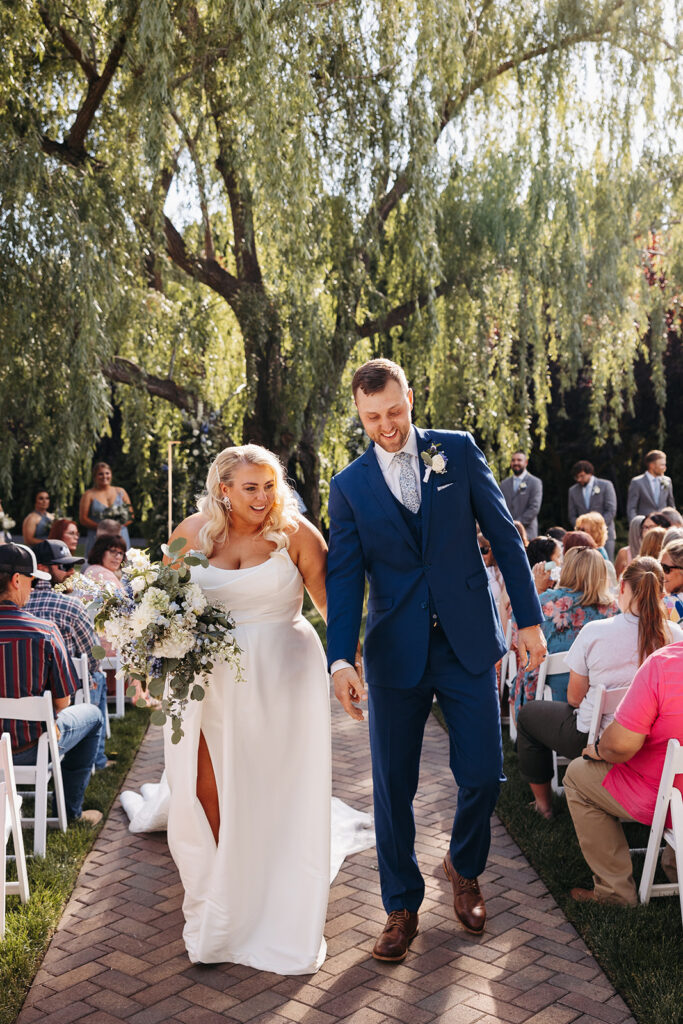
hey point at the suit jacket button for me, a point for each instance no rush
(424, 604)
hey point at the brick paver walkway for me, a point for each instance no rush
(118, 953)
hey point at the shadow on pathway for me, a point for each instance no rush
(118, 954)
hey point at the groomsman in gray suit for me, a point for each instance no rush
(523, 494)
(651, 490)
(591, 494)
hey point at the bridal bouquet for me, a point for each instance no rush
(6, 522)
(167, 635)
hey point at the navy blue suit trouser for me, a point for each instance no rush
(397, 720)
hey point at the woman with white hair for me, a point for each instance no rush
(249, 811)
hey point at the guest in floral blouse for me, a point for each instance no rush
(582, 595)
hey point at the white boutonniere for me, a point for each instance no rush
(596, 490)
(434, 460)
(522, 486)
(664, 481)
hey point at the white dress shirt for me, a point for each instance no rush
(391, 470)
(516, 480)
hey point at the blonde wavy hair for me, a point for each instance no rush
(594, 525)
(585, 570)
(283, 515)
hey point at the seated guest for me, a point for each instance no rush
(655, 519)
(581, 596)
(37, 648)
(673, 533)
(66, 530)
(108, 528)
(496, 581)
(671, 561)
(672, 515)
(577, 539)
(545, 558)
(621, 777)
(69, 614)
(556, 532)
(594, 525)
(36, 525)
(632, 550)
(106, 558)
(605, 653)
(652, 542)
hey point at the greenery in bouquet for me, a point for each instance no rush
(167, 634)
(118, 513)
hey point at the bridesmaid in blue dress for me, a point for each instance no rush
(97, 499)
(36, 525)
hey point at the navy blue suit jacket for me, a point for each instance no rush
(369, 537)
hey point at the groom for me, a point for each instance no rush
(405, 516)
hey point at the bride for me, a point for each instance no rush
(250, 801)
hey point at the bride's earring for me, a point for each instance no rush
(227, 503)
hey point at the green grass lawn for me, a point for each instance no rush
(52, 878)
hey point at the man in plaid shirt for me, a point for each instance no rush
(68, 613)
(33, 659)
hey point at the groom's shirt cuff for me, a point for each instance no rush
(340, 663)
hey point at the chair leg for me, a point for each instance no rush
(3, 873)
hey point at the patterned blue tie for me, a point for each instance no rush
(406, 479)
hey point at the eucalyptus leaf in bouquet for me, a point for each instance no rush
(167, 634)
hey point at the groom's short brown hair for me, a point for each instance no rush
(374, 376)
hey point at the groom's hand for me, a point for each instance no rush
(531, 642)
(349, 691)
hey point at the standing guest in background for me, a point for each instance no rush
(671, 561)
(653, 542)
(589, 493)
(522, 532)
(635, 537)
(594, 525)
(556, 532)
(98, 500)
(652, 490)
(69, 615)
(66, 530)
(523, 494)
(36, 525)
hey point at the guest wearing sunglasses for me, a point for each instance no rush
(671, 561)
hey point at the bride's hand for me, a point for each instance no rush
(349, 691)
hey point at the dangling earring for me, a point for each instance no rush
(227, 503)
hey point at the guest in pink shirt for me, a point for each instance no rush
(618, 776)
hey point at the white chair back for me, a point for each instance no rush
(80, 663)
(606, 703)
(554, 665)
(668, 799)
(47, 766)
(10, 825)
(114, 664)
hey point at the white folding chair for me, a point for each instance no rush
(10, 825)
(80, 663)
(668, 798)
(114, 663)
(47, 766)
(503, 671)
(554, 665)
(606, 703)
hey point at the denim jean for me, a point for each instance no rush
(98, 697)
(79, 733)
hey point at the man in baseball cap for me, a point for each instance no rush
(56, 552)
(18, 558)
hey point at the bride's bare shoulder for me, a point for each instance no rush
(189, 530)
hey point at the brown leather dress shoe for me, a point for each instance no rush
(399, 931)
(468, 901)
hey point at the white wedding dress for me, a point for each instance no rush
(259, 897)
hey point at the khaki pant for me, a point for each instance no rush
(596, 814)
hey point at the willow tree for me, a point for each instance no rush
(203, 195)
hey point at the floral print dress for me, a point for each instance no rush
(563, 617)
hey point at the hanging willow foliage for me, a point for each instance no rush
(201, 195)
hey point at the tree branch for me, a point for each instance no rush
(201, 181)
(399, 314)
(70, 45)
(123, 371)
(207, 271)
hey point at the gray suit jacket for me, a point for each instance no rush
(604, 502)
(640, 500)
(525, 504)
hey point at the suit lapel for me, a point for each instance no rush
(383, 495)
(427, 489)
